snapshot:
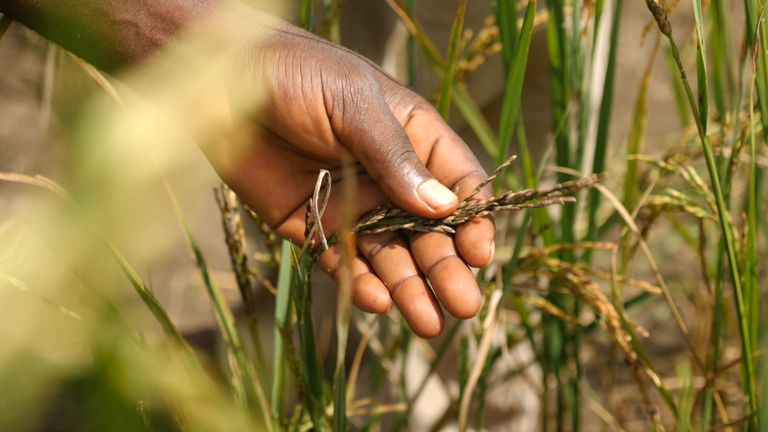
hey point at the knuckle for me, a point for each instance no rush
(469, 181)
(446, 259)
(421, 105)
(373, 245)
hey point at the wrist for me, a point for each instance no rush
(110, 33)
(143, 27)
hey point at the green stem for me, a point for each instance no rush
(306, 12)
(282, 313)
(726, 232)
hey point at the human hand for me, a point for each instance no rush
(324, 105)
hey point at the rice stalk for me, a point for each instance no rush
(354, 369)
(378, 410)
(245, 379)
(234, 236)
(272, 244)
(391, 219)
(687, 173)
(682, 203)
(599, 410)
(314, 396)
(478, 49)
(546, 306)
(555, 265)
(565, 79)
(312, 367)
(344, 302)
(623, 336)
(752, 267)
(632, 227)
(467, 376)
(724, 219)
(677, 87)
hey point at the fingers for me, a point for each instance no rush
(390, 258)
(475, 240)
(450, 277)
(453, 164)
(368, 196)
(437, 256)
(378, 141)
(368, 292)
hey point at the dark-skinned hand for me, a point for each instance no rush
(326, 105)
(323, 106)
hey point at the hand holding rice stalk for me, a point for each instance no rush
(389, 218)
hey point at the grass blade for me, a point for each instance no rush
(444, 100)
(723, 81)
(751, 270)
(702, 84)
(306, 14)
(637, 134)
(141, 288)
(313, 367)
(756, 32)
(282, 320)
(411, 50)
(461, 98)
(603, 125)
(506, 19)
(245, 380)
(514, 86)
(344, 306)
(555, 351)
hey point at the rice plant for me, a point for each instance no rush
(625, 293)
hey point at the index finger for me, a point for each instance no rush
(452, 163)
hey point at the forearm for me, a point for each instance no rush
(109, 33)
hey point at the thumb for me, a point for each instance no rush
(378, 141)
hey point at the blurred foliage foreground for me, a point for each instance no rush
(586, 306)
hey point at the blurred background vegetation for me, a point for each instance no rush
(135, 298)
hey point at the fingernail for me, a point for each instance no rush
(436, 195)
